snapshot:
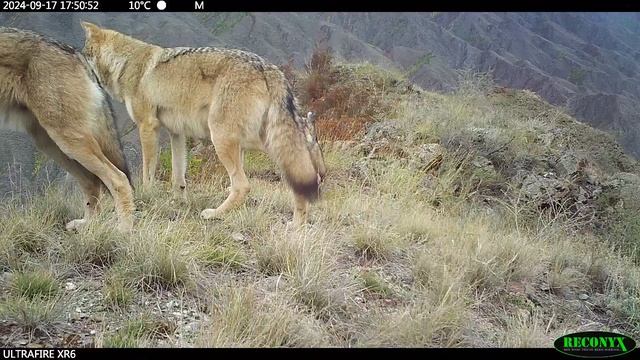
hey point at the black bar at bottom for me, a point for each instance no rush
(307, 354)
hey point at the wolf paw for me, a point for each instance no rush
(208, 214)
(180, 194)
(75, 224)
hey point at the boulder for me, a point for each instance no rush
(484, 167)
(427, 156)
(544, 188)
(624, 187)
(384, 130)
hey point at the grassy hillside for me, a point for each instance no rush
(482, 218)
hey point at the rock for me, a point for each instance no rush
(97, 317)
(273, 283)
(429, 182)
(382, 139)
(79, 316)
(70, 286)
(565, 292)
(199, 148)
(6, 277)
(544, 189)
(623, 187)
(239, 237)
(384, 130)
(568, 164)
(546, 138)
(428, 156)
(360, 169)
(600, 300)
(583, 296)
(484, 166)
(343, 145)
(192, 326)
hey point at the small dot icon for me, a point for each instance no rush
(161, 5)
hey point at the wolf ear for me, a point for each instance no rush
(89, 28)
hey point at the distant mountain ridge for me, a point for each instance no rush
(586, 62)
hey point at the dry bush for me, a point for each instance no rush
(344, 102)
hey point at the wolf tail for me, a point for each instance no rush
(109, 139)
(284, 140)
(106, 130)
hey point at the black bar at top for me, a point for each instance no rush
(320, 5)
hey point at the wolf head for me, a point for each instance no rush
(97, 40)
(94, 35)
(309, 131)
(102, 49)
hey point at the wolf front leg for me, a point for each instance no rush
(144, 115)
(149, 141)
(179, 164)
(300, 210)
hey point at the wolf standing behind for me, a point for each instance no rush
(48, 90)
(233, 97)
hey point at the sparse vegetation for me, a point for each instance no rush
(136, 333)
(35, 284)
(117, 292)
(240, 318)
(480, 218)
(373, 284)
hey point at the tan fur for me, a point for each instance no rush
(48, 90)
(234, 97)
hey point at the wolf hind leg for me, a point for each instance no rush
(89, 183)
(85, 149)
(230, 155)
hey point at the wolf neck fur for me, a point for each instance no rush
(124, 61)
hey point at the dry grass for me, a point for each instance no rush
(430, 321)
(385, 260)
(242, 318)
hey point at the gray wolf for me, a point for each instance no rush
(48, 90)
(234, 97)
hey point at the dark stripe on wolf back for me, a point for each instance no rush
(248, 57)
